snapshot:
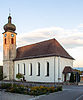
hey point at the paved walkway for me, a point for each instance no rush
(12, 96)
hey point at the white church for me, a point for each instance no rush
(45, 61)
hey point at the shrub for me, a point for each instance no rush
(35, 91)
(5, 86)
(51, 89)
(59, 88)
(56, 90)
(19, 75)
(17, 89)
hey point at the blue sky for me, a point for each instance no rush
(38, 20)
(33, 14)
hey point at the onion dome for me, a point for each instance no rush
(9, 26)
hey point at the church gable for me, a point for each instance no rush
(42, 49)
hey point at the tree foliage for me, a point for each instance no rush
(19, 75)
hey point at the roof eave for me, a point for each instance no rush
(41, 56)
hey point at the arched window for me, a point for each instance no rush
(24, 69)
(30, 69)
(38, 69)
(5, 41)
(12, 41)
(18, 68)
(47, 68)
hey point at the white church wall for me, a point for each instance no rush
(60, 64)
(56, 69)
(56, 65)
(34, 77)
(65, 62)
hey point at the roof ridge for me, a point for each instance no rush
(37, 43)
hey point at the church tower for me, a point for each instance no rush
(9, 49)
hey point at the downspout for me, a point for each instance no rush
(13, 74)
(13, 69)
(54, 71)
(58, 69)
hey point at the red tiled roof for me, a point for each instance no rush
(42, 49)
(67, 69)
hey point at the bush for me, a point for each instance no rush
(19, 75)
(17, 89)
(59, 88)
(5, 86)
(35, 91)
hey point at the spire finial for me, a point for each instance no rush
(9, 18)
(9, 12)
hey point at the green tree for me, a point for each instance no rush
(19, 76)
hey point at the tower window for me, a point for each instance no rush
(5, 40)
(12, 41)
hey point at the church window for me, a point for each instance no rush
(18, 68)
(30, 69)
(24, 69)
(12, 41)
(38, 69)
(5, 40)
(47, 69)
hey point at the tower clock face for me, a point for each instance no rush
(5, 35)
(12, 35)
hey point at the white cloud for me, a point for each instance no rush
(77, 53)
(71, 39)
(80, 26)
